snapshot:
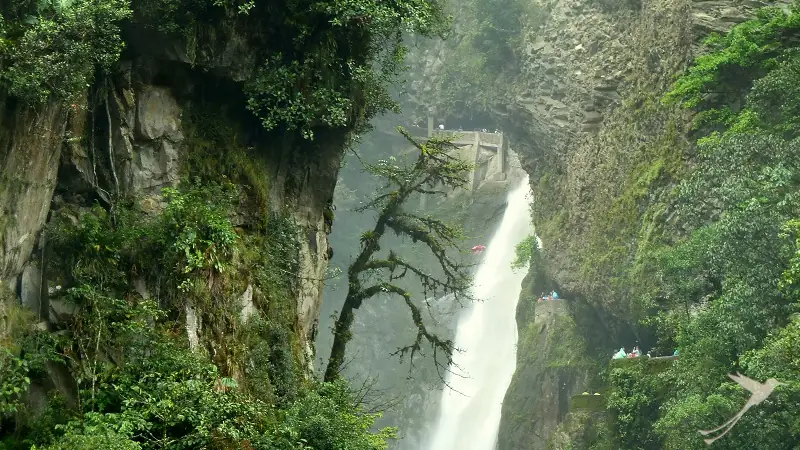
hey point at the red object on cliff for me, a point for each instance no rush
(477, 249)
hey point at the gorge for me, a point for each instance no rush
(182, 193)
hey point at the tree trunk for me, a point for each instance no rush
(341, 336)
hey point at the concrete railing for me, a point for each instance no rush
(470, 136)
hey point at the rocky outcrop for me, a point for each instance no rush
(129, 140)
(582, 430)
(552, 366)
(587, 57)
(30, 148)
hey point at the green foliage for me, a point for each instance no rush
(712, 279)
(139, 386)
(192, 236)
(275, 99)
(728, 288)
(319, 419)
(322, 65)
(525, 252)
(724, 281)
(489, 33)
(15, 381)
(163, 396)
(272, 371)
(191, 255)
(215, 153)
(196, 231)
(52, 49)
(24, 350)
(736, 59)
(86, 437)
(638, 387)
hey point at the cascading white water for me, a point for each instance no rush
(487, 335)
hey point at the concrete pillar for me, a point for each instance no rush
(476, 148)
(430, 124)
(423, 201)
(502, 151)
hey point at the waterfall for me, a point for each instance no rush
(487, 335)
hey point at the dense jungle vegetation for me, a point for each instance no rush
(726, 293)
(136, 382)
(720, 282)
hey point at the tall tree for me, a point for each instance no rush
(436, 171)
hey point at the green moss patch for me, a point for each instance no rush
(214, 151)
(590, 402)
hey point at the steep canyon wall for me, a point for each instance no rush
(578, 90)
(603, 153)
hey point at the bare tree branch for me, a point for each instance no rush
(371, 399)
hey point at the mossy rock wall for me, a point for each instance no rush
(604, 155)
(554, 362)
(157, 123)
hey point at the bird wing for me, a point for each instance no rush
(745, 382)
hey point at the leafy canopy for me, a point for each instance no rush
(52, 49)
(317, 64)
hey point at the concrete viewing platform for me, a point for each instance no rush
(489, 153)
(486, 151)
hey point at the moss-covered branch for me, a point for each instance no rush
(434, 164)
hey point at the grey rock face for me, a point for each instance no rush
(30, 148)
(31, 287)
(157, 115)
(141, 155)
(537, 399)
(148, 158)
(587, 56)
(248, 308)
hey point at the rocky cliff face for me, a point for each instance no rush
(31, 142)
(602, 152)
(133, 136)
(553, 362)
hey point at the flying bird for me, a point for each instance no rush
(477, 249)
(759, 391)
